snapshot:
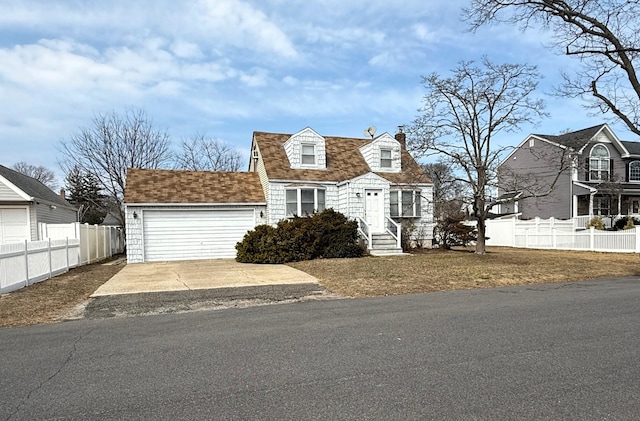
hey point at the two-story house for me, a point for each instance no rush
(583, 173)
(201, 214)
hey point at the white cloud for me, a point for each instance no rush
(244, 26)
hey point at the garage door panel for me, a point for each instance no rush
(194, 234)
(14, 225)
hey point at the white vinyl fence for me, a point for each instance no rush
(65, 246)
(560, 235)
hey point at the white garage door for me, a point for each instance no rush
(194, 234)
(14, 225)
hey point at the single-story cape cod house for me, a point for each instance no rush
(181, 215)
(24, 203)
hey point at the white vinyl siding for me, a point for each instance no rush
(194, 234)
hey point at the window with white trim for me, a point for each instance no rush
(601, 206)
(308, 154)
(405, 203)
(304, 201)
(385, 158)
(599, 163)
(634, 171)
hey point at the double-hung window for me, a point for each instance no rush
(304, 201)
(601, 206)
(599, 163)
(308, 155)
(385, 158)
(405, 203)
(634, 171)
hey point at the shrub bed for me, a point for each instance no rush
(328, 234)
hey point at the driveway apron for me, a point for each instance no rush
(198, 274)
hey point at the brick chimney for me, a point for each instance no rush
(401, 137)
(63, 194)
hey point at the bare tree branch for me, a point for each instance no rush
(40, 173)
(462, 114)
(603, 34)
(113, 144)
(201, 153)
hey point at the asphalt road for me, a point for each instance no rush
(559, 351)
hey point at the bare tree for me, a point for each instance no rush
(603, 34)
(461, 116)
(111, 145)
(40, 173)
(201, 153)
(448, 192)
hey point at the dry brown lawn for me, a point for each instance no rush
(462, 269)
(54, 299)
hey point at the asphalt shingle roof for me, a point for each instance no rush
(344, 161)
(178, 186)
(33, 187)
(575, 140)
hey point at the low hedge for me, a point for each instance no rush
(328, 234)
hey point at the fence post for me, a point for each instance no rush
(26, 265)
(49, 252)
(66, 251)
(637, 239)
(97, 229)
(592, 237)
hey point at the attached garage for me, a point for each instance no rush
(194, 234)
(188, 215)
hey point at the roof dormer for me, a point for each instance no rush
(306, 150)
(383, 154)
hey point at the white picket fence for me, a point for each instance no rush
(559, 235)
(65, 246)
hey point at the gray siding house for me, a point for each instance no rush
(25, 202)
(586, 172)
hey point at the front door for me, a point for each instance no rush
(635, 206)
(374, 210)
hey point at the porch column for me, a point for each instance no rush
(574, 211)
(591, 204)
(619, 204)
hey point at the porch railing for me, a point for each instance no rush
(365, 231)
(393, 228)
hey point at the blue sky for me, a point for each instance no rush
(226, 68)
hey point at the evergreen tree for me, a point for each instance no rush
(84, 192)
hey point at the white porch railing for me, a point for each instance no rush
(393, 228)
(365, 231)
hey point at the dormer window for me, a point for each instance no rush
(385, 158)
(599, 163)
(308, 155)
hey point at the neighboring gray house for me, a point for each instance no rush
(170, 214)
(601, 175)
(25, 202)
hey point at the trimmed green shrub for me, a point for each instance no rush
(626, 223)
(596, 222)
(328, 234)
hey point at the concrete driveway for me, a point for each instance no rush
(198, 274)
